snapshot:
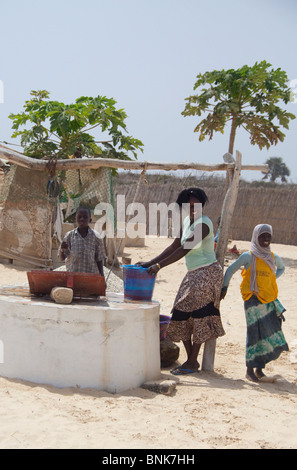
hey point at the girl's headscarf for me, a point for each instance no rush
(258, 251)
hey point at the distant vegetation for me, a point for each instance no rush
(277, 169)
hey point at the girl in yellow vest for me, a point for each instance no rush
(263, 310)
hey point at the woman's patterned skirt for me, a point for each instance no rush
(195, 313)
(265, 339)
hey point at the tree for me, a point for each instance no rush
(247, 97)
(63, 131)
(277, 169)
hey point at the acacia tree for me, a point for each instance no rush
(277, 169)
(63, 131)
(247, 97)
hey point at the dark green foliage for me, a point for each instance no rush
(63, 131)
(247, 97)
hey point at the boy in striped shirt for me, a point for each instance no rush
(82, 248)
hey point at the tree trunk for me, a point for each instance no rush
(229, 173)
(232, 135)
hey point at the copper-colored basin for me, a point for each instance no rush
(82, 284)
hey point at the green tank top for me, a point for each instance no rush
(203, 254)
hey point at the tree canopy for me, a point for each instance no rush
(63, 130)
(247, 97)
(277, 169)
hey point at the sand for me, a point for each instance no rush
(207, 410)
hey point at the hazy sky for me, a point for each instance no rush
(146, 54)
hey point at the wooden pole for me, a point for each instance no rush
(227, 211)
(225, 223)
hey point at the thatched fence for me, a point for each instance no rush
(275, 206)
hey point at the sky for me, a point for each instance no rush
(146, 54)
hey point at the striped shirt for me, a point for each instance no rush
(83, 252)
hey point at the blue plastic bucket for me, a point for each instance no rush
(138, 284)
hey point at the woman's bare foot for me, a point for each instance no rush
(259, 373)
(250, 375)
(191, 365)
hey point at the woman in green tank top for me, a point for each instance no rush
(195, 312)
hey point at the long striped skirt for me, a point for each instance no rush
(195, 312)
(265, 339)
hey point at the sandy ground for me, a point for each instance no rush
(207, 410)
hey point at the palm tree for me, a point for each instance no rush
(277, 169)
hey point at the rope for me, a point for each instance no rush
(46, 229)
(53, 186)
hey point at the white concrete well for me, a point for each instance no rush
(108, 344)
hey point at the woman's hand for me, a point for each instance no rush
(143, 264)
(154, 269)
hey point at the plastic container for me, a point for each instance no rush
(164, 322)
(138, 284)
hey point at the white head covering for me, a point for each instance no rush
(258, 251)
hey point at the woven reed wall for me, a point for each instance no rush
(277, 207)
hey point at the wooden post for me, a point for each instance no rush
(225, 223)
(227, 211)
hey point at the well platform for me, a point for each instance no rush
(106, 343)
